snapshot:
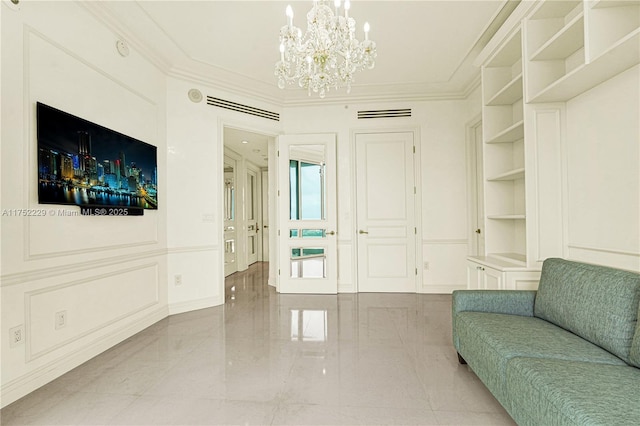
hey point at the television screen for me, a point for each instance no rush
(85, 164)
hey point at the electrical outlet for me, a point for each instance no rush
(61, 319)
(16, 336)
(426, 266)
(177, 280)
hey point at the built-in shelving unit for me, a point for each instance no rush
(503, 123)
(552, 51)
(572, 46)
(554, 45)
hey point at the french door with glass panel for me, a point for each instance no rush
(251, 210)
(307, 214)
(230, 227)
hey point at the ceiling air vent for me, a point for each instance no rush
(385, 113)
(221, 103)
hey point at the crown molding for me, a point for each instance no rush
(112, 23)
(216, 78)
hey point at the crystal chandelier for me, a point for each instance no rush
(328, 54)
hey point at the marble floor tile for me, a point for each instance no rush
(270, 359)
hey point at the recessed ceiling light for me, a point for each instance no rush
(245, 141)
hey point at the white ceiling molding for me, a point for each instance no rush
(140, 24)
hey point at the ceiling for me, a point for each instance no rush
(425, 48)
(252, 146)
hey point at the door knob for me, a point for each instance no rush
(362, 232)
(331, 233)
(478, 231)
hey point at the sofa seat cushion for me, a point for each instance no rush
(597, 303)
(559, 392)
(488, 341)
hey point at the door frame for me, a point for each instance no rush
(417, 176)
(472, 184)
(222, 123)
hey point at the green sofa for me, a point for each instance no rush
(566, 354)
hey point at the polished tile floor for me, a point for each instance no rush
(271, 359)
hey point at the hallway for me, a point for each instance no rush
(265, 358)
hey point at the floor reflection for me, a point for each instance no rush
(271, 359)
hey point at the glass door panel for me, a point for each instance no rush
(307, 241)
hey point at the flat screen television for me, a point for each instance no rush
(85, 164)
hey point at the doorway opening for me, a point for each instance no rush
(246, 198)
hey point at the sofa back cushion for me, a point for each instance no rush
(634, 355)
(597, 303)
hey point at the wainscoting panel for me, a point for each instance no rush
(53, 320)
(196, 278)
(444, 265)
(607, 257)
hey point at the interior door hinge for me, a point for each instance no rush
(278, 192)
(414, 149)
(278, 153)
(278, 271)
(416, 271)
(415, 230)
(278, 232)
(415, 191)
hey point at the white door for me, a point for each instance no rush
(264, 183)
(307, 214)
(386, 225)
(251, 210)
(229, 214)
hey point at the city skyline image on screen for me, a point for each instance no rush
(86, 164)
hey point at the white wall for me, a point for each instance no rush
(440, 137)
(195, 208)
(107, 273)
(602, 172)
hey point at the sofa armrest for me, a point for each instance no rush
(514, 302)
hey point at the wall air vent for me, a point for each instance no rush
(385, 113)
(221, 103)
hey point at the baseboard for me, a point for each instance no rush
(194, 305)
(39, 377)
(441, 289)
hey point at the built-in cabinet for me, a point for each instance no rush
(547, 53)
(497, 274)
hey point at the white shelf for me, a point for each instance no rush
(564, 43)
(509, 53)
(551, 9)
(510, 134)
(509, 94)
(510, 175)
(506, 217)
(620, 57)
(502, 261)
(601, 4)
(516, 258)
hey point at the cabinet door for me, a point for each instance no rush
(473, 276)
(492, 279)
